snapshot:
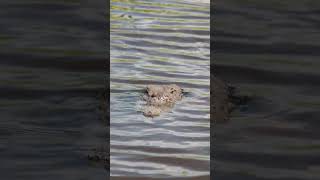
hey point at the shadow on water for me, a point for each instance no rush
(53, 70)
(271, 55)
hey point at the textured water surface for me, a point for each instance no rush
(269, 50)
(160, 42)
(51, 70)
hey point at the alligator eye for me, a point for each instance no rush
(153, 95)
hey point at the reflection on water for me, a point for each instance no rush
(271, 53)
(160, 42)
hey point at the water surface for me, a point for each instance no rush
(52, 70)
(269, 50)
(160, 42)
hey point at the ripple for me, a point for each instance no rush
(160, 42)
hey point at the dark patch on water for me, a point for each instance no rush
(268, 51)
(54, 68)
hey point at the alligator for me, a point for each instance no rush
(161, 98)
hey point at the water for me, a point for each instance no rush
(48, 126)
(271, 54)
(160, 42)
(52, 74)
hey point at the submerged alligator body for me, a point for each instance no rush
(220, 104)
(224, 99)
